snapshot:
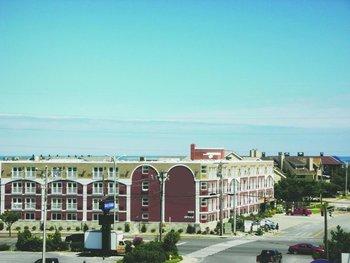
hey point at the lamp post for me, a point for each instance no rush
(346, 178)
(45, 215)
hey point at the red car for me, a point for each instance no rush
(305, 249)
(300, 212)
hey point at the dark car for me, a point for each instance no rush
(75, 238)
(305, 249)
(299, 212)
(269, 256)
(48, 260)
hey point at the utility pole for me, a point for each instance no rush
(325, 229)
(115, 191)
(45, 215)
(234, 206)
(346, 178)
(219, 174)
(161, 178)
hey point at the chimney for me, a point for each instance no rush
(252, 153)
(142, 159)
(263, 154)
(193, 149)
(300, 154)
(310, 163)
(321, 153)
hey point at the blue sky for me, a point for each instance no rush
(137, 77)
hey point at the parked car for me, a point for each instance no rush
(48, 260)
(269, 256)
(300, 212)
(75, 238)
(305, 249)
(268, 224)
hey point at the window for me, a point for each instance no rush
(145, 201)
(144, 216)
(30, 188)
(30, 203)
(204, 186)
(95, 217)
(71, 188)
(30, 172)
(145, 185)
(56, 204)
(204, 202)
(203, 169)
(16, 203)
(111, 189)
(203, 217)
(145, 169)
(56, 172)
(72, 216)
(57, 188)
(95, 204)
(97, 173)
(111, 172)
(16, 172)
(56, 216)
(29, 216)
(71, 204)
(72, 172)
(16, 188)
(97, 188)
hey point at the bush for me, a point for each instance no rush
(51, 228)
(153, 230)
(190, 229)
(85, 227)
(151, 252)
(1, 226)
(119, 228)
(68, 228)
(204, 233)
(77, 229)
(180, 230)
(26, 227)
(128, 247)
(18, 228)
(60, 228)
(137, 241)
(76, 246)
(55, 243)
(143, 228)
(33, 228)
(4, 247)
(199, 232)
(127, 227)
(169, 242)
(26, 242)
(259, 232)
(212, 232)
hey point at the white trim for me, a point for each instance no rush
(133, 171)
(84, 202)
(197, 187)
(128, 203)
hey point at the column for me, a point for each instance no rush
(84, 203)
(197, 202)
(128, 203)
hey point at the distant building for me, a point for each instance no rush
(191, 191)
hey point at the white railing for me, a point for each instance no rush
(57, 190)
(16, 174)
(72, 174)
(97, 191)
(16, 206)
(97, 175)
(71, 206)
(56, 206)
(30, 190)
(29, 205)
(95, 206)
(16, 190)
(72, 190)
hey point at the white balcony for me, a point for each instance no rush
(16, 174)
(30, 190)
(97, 176)
(97, 191)
(71, 207)
(72, 175)
(30, 206)
(56, 206)
(16, 190)
(16, 206)
(30, 174)
(57, 190)
(72, 190)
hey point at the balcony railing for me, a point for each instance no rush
(97, 191)
(30, 174)
(97, 175)
(56, 206)
(16, 206)
(71, 206)
(95, 207)
(72, 190)
(16, 174)
(72, 175)
(30, 190)
(57, 190)
(30, 206)
(17, 190)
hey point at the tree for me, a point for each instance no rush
(9, 218)
(169, 242)
(339, 243)
(151, 252)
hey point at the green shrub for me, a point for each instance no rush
(204, 233)
(51, 228)
(77, 246)
(180, 230)
(212, 232)
(27, 242)
(143, 228)
(85, 227)
(137, 241)
(126, 227)
(190, 229)
(18, 228)
(4, 247)
(33, 228)
(153, 230)
(151, 252)
(69, 228)
(119, 228)
(1, 226)
(199, 232)
(169, 242)
(77, 229)
(54, 242)
(259, 232)
(60, 228)
(26, 227)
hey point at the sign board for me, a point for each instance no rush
(108, 205)
(105, 220)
